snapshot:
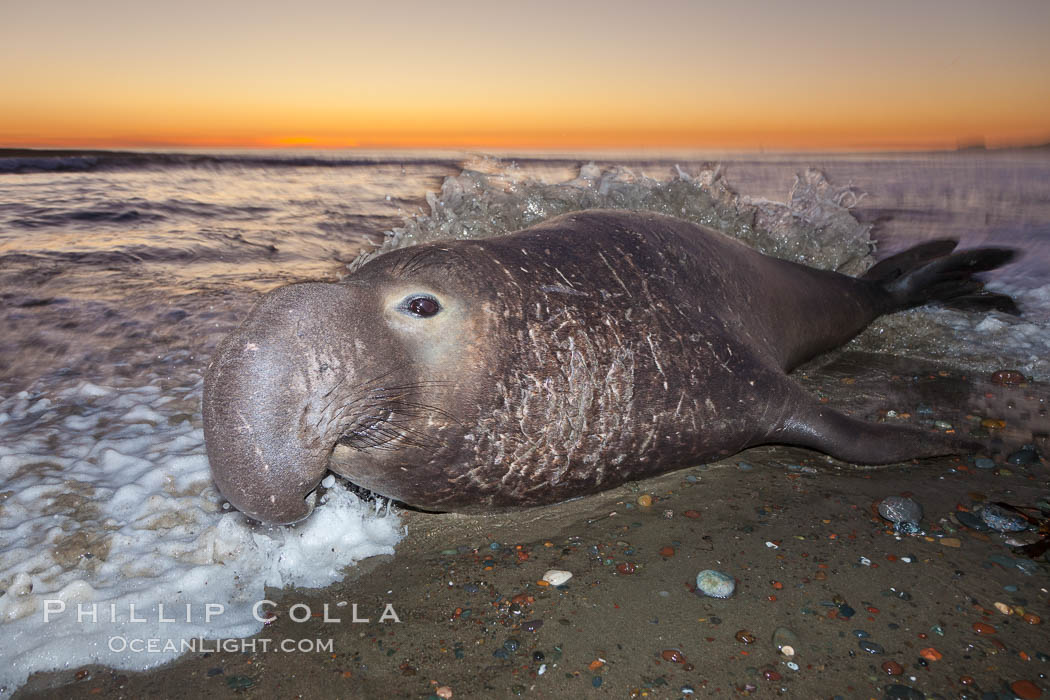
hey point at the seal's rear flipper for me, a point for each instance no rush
(826, 430)
(931, 272)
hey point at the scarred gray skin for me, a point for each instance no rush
(594, 349)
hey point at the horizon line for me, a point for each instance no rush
(116, 145)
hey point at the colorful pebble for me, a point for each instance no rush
(931, 654)
(715, 583)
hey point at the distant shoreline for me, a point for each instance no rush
(23, 152)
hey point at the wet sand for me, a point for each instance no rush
(797, 530)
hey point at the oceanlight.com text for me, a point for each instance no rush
(136, 645)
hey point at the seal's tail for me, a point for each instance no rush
(931, 272)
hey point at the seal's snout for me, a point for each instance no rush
(266, 446)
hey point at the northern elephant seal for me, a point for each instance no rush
(567, 358)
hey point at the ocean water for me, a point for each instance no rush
(120, 272)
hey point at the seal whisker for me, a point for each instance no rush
(339, 383)
(376, 379)
(420, 410)
(390, 436)
(384, 423)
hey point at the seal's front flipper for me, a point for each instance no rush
(821, 428)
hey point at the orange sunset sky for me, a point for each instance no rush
(774, 74)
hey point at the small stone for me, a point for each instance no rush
(1004, 608)
(982, 628)
(953, 542)
(971, 521)
(674, 656)
(870, 646)
(667, 552)
(931, 654)
(899, 510)
(715, 583)
(984, 463)
(892, 668)
(1031, 618)
(645, 500)
(1027, 690)
(443, 692)
(902, 692)
(745, 466)
(557, 577)
(745, 637)
(785, 641)
(239, 682)
(1001, 519)
(691, 514)
(993, 423)
(1007, 377)
(627, 568)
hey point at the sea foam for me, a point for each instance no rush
(109, 516)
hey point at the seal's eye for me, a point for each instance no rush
(421, 306)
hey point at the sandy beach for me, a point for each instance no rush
(951, 612)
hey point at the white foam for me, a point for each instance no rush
(106, 501)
